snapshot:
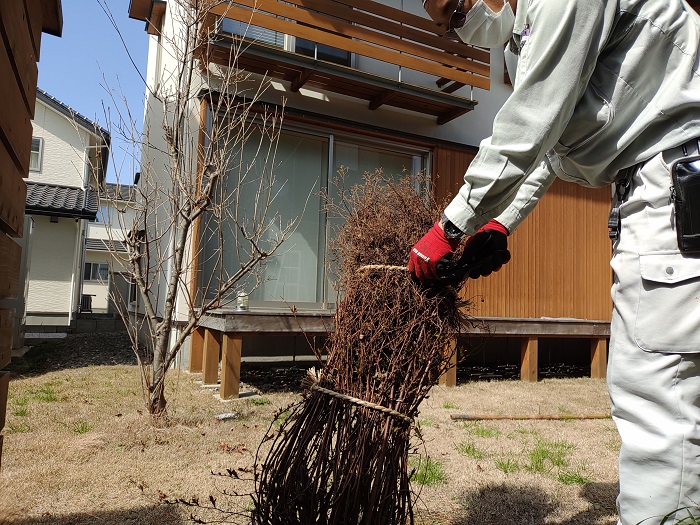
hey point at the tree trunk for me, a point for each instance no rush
(156, 393)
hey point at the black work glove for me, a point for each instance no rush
(484, 252)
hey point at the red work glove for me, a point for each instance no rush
(426, 253)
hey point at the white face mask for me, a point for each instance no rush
(482, 27)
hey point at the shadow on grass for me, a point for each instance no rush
(74, 351)
(522, 505)
(151, 515)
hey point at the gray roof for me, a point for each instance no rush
(69, 112)
(105, 245)
(121, 192)
(60, 201)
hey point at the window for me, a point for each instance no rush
(306, 165)
(104, 215)
(96, 272)
(274, 38)
(322, 52)
(36, 155)
(254, 33)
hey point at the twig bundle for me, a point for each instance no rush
(340, 461)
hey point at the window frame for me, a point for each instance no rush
(40, 155)
(95, 268)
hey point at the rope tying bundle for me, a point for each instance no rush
(381, 267)
(311, 383)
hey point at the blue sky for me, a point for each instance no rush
(89, 61)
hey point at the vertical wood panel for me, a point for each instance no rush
(560, 264)
(7, 318)
(15, 123)
(14, 27)
(10, 258)
(13, 195)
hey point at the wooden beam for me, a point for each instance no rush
(528, 359)
(4, 385)
(599, 358)
(196, 349)
(195, 243)
(300, 80)
(449, 378)
(230, 366)
(210, 361)
(35, 20)
(381, 99)
(7, 318)
(451, 115)
(388, 24)
(9, 266)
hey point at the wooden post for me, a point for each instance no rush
(230, 366)
(196, 349)
(210, 361)
(449, 378)
(599, 358)
(528, 359)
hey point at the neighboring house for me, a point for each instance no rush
(103, 275)
(68, 163)
(369, 84)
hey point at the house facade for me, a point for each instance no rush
(68, 163)
(103, 277)
(367, 84)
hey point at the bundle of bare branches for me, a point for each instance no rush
(341, 455)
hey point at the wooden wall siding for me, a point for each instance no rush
(21, 25)
(560, 264)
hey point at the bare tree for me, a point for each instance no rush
(202, 221)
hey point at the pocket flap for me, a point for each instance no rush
(668, 268)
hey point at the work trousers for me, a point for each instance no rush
(654, 364)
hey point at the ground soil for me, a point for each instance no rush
(79, 448)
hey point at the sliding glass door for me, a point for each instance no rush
(305, 169)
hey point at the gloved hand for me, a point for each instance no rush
(487, 250)
(426, 253)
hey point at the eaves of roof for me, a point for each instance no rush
(83, 121)
(60, 201)
(105, 245)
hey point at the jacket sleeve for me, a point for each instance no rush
(559, 49)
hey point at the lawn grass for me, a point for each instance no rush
(80, 449)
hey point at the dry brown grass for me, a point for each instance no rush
(79, 449)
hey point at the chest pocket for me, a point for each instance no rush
(668, 310)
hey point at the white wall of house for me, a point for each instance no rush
(469, 129)
(98, 288)
(53, 277)
(64, 148)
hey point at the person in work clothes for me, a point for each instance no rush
(605, 92)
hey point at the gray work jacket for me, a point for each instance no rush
(601, 85)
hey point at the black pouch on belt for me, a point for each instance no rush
(685, 194)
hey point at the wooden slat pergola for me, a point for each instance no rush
(365, 28)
